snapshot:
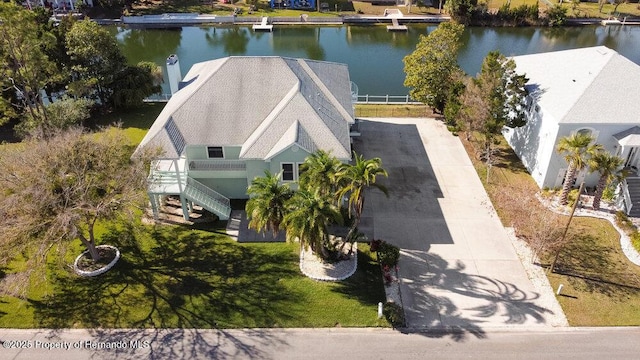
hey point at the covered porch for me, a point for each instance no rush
(170, 177)
(628, 148)
(167, 177)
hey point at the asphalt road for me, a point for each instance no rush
(332, 344)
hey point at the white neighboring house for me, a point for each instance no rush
(591, 90)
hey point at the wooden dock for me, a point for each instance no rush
(263, 26)
(395, 26)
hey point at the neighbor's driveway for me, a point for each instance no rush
(458, 267)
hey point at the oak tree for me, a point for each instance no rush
(430, 69)
(54, 191)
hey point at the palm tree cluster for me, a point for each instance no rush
(580, 151)
(307, 214)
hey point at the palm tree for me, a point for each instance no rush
(319, 173)
(609, 166)
(576, 149)
(356, 178)
(308, 218)
(267, 206)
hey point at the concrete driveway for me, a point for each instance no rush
(458, 268)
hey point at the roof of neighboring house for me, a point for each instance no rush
(591, 85)
(264, 104)
(629, 137)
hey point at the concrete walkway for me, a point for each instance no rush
(458, 268)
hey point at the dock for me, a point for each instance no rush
(394, 15)
(263, 26)
(612, 21)
(395, 26)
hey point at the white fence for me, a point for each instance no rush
(386, 99)
(362, 99)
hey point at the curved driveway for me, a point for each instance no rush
(458, 268)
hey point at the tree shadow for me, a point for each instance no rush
(588, 259)
(413, 204)
(366, 284)
(178, 343)
(433, 300)
(180, 279)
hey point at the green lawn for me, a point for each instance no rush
(368, 110)
(592, 9)
(135, 122)
(601, 286)
(174, 276)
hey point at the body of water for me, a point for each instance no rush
(373, 54)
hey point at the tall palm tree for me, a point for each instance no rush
(319, 173)
(267, 206)
(576, 150)
(356, 177)
(609, 166)
(310, 213)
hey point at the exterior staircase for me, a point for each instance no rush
(633, 184)
(209, 199)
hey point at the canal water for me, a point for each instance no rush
(373, 54)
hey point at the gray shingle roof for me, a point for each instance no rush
(629, 137)
(252, 102)
(591, 85)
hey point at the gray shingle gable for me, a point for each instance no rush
(228, 101)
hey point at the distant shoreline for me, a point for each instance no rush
(187, 19)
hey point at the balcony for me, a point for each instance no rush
(217, 165)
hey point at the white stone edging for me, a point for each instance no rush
(546, 296)
(100, 271)
(625, 241)
(352, 261)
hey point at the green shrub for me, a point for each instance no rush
(635, 240)
(623, 221)
(556, 15)
(394, 314)
(573, 195)
(388, 254)
(609, 192)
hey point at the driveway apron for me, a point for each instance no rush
(458, 268)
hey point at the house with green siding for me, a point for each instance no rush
(235, 117)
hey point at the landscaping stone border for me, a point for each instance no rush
(103, 269)
(625, 241)
(312, 267)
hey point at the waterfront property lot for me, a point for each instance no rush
(601, 287)
(179, 277)
(175, 276)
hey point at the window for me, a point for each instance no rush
(215, 152)
(586, 132)
(589, 132)
(288, 173)
(301, 169)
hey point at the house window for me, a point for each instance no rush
(215, 152)
(288, 171)
(586, 132)
(301, 169)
